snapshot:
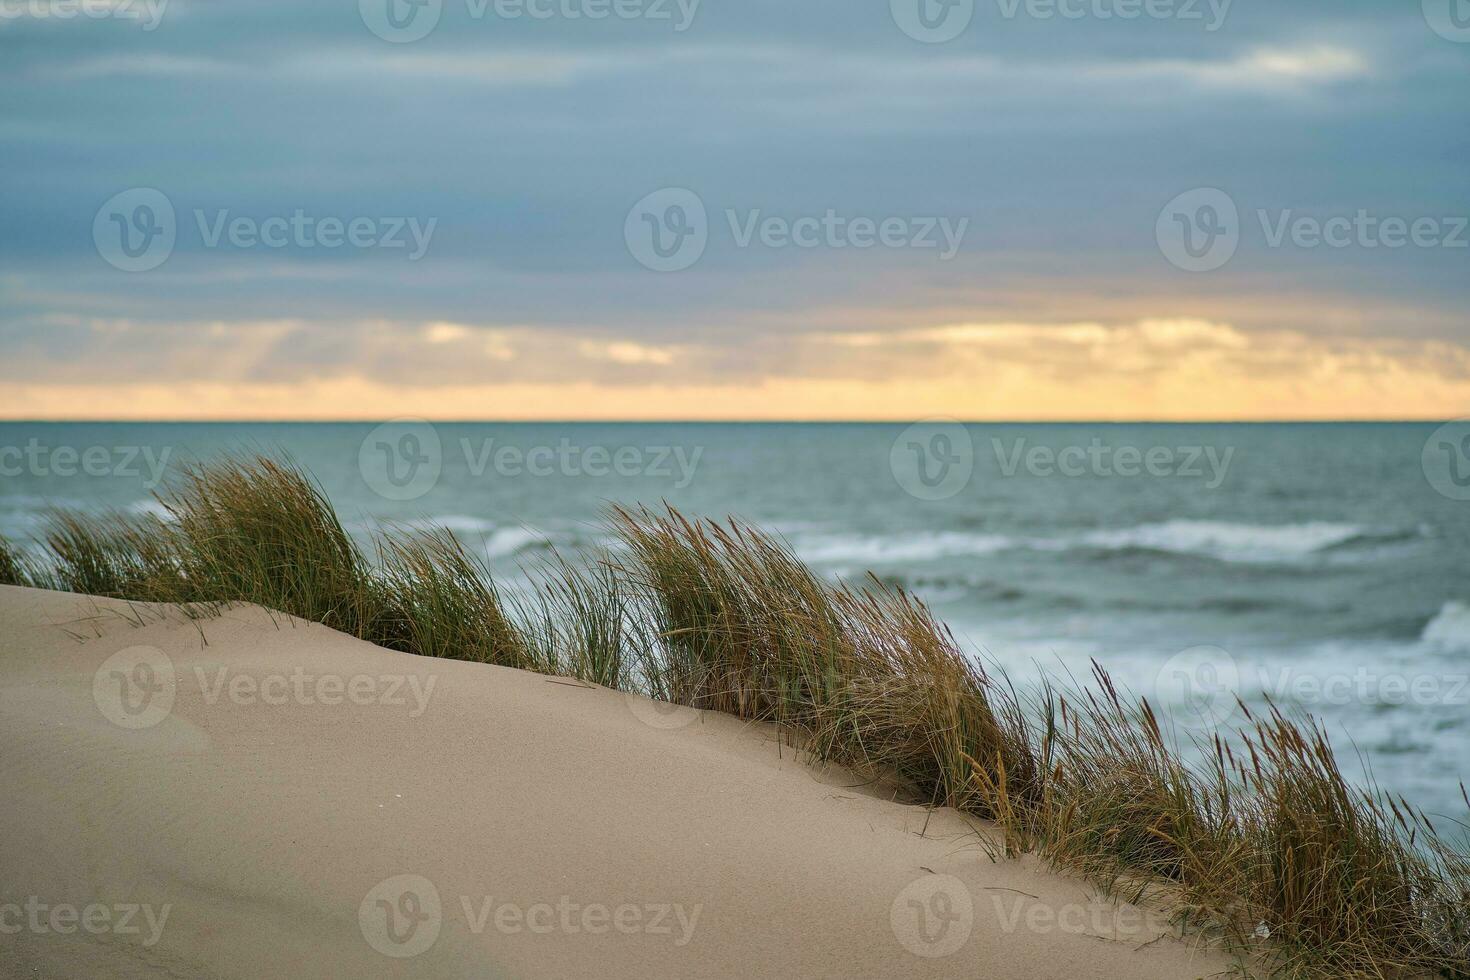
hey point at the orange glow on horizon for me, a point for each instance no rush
(1149, 370)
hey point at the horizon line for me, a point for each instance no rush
(731, 421)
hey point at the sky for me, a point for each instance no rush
(734, 209)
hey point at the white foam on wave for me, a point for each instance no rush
(507, 541)
(458, 523)
(1228, 541)
(150, 507)
(20, 523)
(835, 548)
(1449, 630)
(1222, 540)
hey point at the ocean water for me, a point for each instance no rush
(1324, 565)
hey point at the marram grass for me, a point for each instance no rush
(13, 565)
(430, 597)
(1265, 836)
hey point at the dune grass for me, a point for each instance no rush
(432, 598)
(13, 566)
(1268, 835)
(1265, 837)
(115, 555)
(588, 624)
(259, 530)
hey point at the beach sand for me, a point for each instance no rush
(256, 796)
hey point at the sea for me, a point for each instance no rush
(1322, 567)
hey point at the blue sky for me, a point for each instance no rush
(518, 144)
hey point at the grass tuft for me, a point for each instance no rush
(13, 565)
(435, 600)
(114, 555)
(589, 624)
(259, 530)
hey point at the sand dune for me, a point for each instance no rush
(255, 796)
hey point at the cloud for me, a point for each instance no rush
(1270, 68)
(1173, 368)
(1153, 351)
(626, 352)
(499, 68)
(155, 65)
(471, 341)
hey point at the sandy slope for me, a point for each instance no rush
(256, 828)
